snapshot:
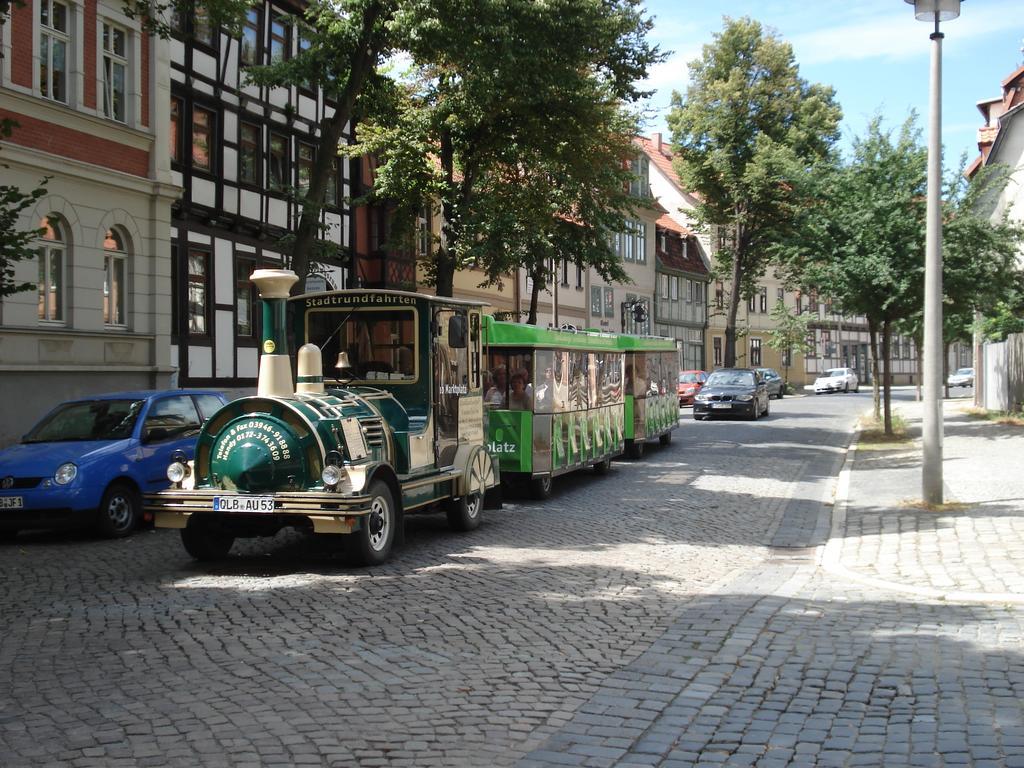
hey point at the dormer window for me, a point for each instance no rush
(640, 185)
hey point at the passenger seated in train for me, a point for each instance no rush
(519, 398)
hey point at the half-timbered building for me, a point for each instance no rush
(244, 153)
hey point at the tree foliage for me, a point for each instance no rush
(16, 244)
(513, 119)
(748, 136)
(789, 333)
(863, 244)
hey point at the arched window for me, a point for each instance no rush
(115, 260)
(52, 257)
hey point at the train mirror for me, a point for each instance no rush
(457, 331)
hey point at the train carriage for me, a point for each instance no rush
(385, 418)
(561, 400)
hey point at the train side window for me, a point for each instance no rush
(496, 386)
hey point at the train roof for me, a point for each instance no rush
(506, 334)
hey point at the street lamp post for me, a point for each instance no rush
(931, 477)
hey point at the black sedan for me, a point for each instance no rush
(732, 392)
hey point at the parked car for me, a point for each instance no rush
(837, 380)
(964, 377)
(690, 383)
(88, 461)
(730, 392)
(773, 381)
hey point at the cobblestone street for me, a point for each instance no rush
(671, 613)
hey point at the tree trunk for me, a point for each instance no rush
(534, 298)
(876, 379)
(331, 129)
(886, 381)
(444, 264)
(734, 303)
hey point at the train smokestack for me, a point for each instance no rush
(275, 368)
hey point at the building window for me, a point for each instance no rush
(54, 45)
(52, 249)
(331, 190)
(663, 286)
(202, 28)
(279, 39)
(630, 244)
(609, 302)
(278, 161)
(755, 351)
(662, 240)
(245, 298)
(198, 291)
(719, 294)
(595, 301)
(115, 65)
(305, 168)
(114, 279)
(565, 273)
(424, 235)
(248, 153)
(579, 276)
(717, 350)
(640, 185)
(812, 303)
(674, 287)
(764, 300)
(781, 295)
(175, 133)
(249, 49)
(751, 304)
(202, 138)
(787, 357)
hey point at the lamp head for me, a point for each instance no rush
(935, 10)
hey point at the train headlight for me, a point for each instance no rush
(177, 471)
(65, 473)
(331, 475)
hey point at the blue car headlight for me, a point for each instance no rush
(65, 473)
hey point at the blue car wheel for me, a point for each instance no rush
(119, 511)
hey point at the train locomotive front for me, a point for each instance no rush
(345, 460)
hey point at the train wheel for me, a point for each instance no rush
(635, 449)
(371, 544)
(464, 513)
(204, 543)
(665, 439)
(540, 487)
(602, 467)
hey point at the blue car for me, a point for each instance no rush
(88, 461)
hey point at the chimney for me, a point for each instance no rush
(656, 140)
(275, 376)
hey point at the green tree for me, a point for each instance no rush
(512, 120)
(16, 244)
(748, 136)
(789, 334)
(344, 43)
(862, 244)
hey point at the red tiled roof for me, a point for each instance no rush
(678, 257)
(667, 222)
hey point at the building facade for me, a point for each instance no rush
(680, 302)
(243, 154)
(89, 91)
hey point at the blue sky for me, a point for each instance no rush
(873, 52)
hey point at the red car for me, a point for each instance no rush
(690, 383)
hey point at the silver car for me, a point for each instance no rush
(837, 380)
(964, 377)
(773, 381)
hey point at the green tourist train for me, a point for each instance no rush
(560, 400)
(405, 403)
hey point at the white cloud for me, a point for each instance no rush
(888, 35)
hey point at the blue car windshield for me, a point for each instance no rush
(87, 420)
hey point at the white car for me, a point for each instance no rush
(837, 380)
(964, 377)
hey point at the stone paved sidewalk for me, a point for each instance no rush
(972, 550)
